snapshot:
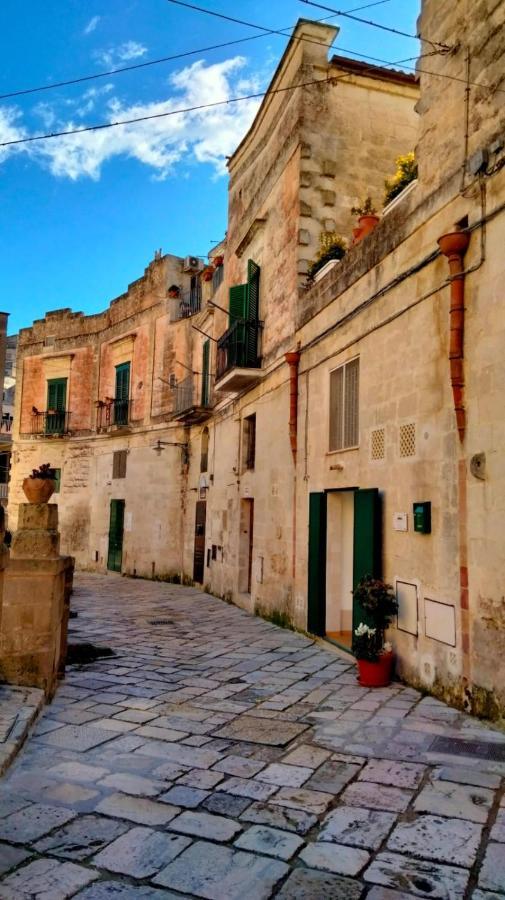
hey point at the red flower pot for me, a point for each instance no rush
(376, 674)
(38, 490)
(367, 224)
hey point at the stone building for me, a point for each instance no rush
(344, 427)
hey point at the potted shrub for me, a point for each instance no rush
(406, 172)
(367, 219)
(218, 261)
(208, 273)
(40, 485)
(332, 248)
(174, 291)
(374, 655)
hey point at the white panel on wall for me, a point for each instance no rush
(440, 621)
(406, 594)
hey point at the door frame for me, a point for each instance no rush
(200, 504)
(317, 554)
(119, 503)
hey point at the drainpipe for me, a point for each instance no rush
(293, 361)
(454, 245)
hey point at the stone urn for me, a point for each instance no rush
(39, 490)
(367, 224)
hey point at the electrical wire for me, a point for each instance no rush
(163, 59)
(390, 29)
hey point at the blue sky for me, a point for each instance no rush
(81, 216)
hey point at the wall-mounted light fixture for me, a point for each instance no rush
(160, 446)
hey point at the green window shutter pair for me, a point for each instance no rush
(244, 298)
(57, 394)
(123, 381)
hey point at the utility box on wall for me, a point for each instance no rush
(422, 517)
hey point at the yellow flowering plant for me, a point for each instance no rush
(406, 171)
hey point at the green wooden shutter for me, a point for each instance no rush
(115, 554)
(238, 303)
(123, 381)
(367, 541)
(316, 612)
(57, 394)
(205, 373)
(253, 284)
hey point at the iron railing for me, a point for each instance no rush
(52, 422)
(238, 347)
(193, 391)
(187, 304)
(113, 414)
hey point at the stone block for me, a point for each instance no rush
(329, 224)
(35, 544)
(329, 168)
(305, 208)
(328, 198)
(303, 236)
(305, 179)
(38, 516)
(305, 151)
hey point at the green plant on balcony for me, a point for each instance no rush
(366, 209)
(331, 246)
(406, 172)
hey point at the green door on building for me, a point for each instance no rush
(56, 405)
(367, 552)
(116, 527)
(122, 397)
(205, 395)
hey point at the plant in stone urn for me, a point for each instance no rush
(375, 656)
(174, 291)
(41, 484)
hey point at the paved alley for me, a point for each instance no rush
(215, 755)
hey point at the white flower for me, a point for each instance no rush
(363, 629)
(387, 648)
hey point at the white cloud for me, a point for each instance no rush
(10, 130)
(113, 56)
(200, 136)
(92, 24)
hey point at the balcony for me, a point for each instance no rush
(187, 304)
(238, 364)
(114, 415)
(193, 399)
(53, 423)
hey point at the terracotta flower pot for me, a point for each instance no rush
(376, 674)
(356, 235)
(218, 261)
(38, 490)
(173, 294)
(367, 224)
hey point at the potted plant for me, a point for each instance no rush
(367, 219)
(208, 273)
(40, 485)
(174, 291)
(218, 261)
(374, 655)
(406, 173)
(332, 248)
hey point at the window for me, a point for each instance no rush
(119, 463)
(56, 405)
(249, 442)
(344, 406)
(204, 452)
(205, 398)
(57, 478)
(122, 397)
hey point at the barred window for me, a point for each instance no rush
(344, 406)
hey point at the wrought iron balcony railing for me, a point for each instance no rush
(238, 347)
(193, 397)
(113, 414)
(187, 304)
(53, 422)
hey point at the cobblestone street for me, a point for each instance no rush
(218, 756)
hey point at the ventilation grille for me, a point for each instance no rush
(378, 444)
(408, 440)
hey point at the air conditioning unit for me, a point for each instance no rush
(192, 264)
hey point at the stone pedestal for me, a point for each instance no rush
(34, 616)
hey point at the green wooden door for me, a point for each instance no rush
(316, 612)
(56, 405)
(122, 394)
(115, 554)
(205, 374)
(367, 542)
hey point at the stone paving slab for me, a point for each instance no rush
(19, 708)
(222, 757)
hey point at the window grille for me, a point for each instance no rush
(119, 463)
(378, 444)
(408, 439)
(344, 406)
